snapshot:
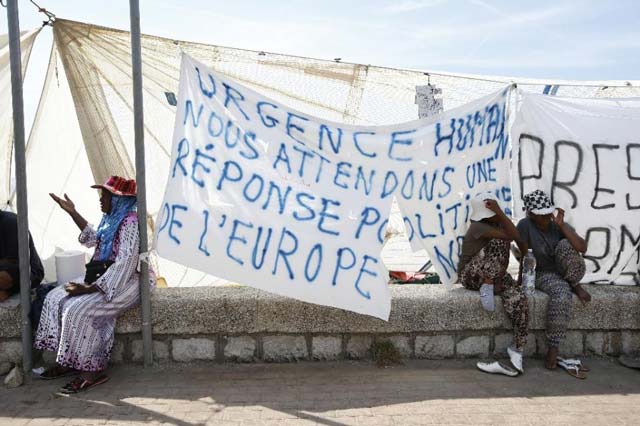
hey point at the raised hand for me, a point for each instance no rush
(66, 204)
(492, 205)
(559, 217)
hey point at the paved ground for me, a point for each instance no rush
(333, 394)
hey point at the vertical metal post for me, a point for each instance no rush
(21, 181)
(136, 63)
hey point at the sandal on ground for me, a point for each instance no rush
(583, 368)
(496, 368)
(56, 372)
(572, 369)
(629, 361)
(80, 384)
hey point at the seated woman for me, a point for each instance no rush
(559, 264)
(9, 269)
(78, 319)
(483, 266)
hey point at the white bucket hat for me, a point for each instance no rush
(478, 209)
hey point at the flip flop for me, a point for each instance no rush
(629, 361)
(80, 384)
(572, 369)
(496, 368)
(583, 368)
(48, 373)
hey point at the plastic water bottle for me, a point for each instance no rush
(529, 273)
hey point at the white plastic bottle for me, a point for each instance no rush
(529, 273)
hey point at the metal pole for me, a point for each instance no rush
(138, 116)
(21, 181)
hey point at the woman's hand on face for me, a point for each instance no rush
(66, 204)
(493, 206)
(559, 217)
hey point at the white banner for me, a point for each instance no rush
(462, 152)
(276, 199)
(585, 153)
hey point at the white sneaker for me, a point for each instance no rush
(516, 358)
(496, 368)
(486, 297)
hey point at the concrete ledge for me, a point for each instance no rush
(10, 317)
(427, 321)
(415, 308)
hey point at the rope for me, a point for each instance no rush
(51, 17)
(2, 3)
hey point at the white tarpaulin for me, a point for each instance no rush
(6, 122)
(585, 153)
(57, 162)
(289, 203)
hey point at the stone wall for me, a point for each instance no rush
(297, 347)
(240, 324)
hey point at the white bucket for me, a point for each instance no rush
(70, 266)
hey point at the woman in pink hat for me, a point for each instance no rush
(78, 319)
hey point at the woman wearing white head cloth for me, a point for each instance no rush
(559, 264)
(483, 266)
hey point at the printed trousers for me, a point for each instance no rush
(558, 285)
(492, 262)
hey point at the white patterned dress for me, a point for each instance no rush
(80, 329)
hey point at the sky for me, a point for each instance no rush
(559, 39)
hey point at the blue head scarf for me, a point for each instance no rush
(106, 233)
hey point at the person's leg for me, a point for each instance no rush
(570, 263)
(56, 371)
(486, 269)
(48, 332)
(468, 277)
(517, 309)
(87, 332)
(558, 312)
(488, 266)
(6, 282)
(572, 268)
